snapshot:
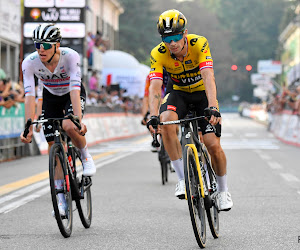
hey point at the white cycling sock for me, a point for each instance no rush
(222, 183)
(178, 166)
(59, 185)
(84, 152)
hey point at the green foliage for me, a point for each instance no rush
(137, 28)
(254, 26)
(239, 32)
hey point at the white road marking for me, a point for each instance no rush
(265, 157)
(23, 191)
(23, 201)
(226, 135)
(13, 205)
(289, 177)
(274, 165)
(251, 134)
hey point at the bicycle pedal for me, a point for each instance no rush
(225, 210)
(181, 197)
(63, 217)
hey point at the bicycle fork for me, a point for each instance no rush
(193, 147)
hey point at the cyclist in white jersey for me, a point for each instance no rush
(58, 70)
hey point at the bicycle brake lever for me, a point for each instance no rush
(155, 142)
(75, 120)
(27, 125)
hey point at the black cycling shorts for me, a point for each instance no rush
(179, 101)
(57, 107)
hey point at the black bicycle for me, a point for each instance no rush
(163, 157)
(75, 186)
(200, 179)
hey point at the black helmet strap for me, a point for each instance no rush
(52, 55)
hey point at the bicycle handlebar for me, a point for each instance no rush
(183, 120)
(71, 117)
(155, 141)
(27, 125)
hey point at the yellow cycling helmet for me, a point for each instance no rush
(171, 22)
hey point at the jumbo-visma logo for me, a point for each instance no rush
(35, 14)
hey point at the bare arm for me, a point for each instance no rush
(210, 86)
(145, 106)
(211, 92)
(75, 99)
(29, 113)
(155, 96)
(6, 91)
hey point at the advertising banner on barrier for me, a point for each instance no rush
(12, 121)
(103, 127)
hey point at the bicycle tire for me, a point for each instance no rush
(211, 211)
(194, 198)
(64, 224)
(84, 205)
(164, 171)
(163, 158)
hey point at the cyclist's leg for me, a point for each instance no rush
(218, 158)
(53, 108)
(78, 140)
(173, 108)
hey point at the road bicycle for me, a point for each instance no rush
(65, 157)
(163, 157)
(200, 179)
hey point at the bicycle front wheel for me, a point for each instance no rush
(194, 198)
(83, 205)
(57, 168)
(211, 210)
(163, 159)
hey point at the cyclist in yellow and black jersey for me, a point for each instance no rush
(185, 75)
(189, 65)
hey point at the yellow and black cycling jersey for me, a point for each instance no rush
(185, 75)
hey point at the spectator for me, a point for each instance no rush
(6, 96)
(100, 43)
(18, 91)
(91, 44)
(94, 86)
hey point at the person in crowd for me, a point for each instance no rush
(7, 97)
(94, 86)
(100, 43)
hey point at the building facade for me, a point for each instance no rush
(10, 37)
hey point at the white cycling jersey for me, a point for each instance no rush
(66, 76)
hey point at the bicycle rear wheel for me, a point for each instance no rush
(211, 210)
(84, 205)
(56, 161)
(195, 200)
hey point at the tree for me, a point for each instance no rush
(137, 29)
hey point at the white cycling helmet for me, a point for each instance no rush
(46, 32)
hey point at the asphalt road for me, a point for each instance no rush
(133, 210)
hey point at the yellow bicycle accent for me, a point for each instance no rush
(198, 167)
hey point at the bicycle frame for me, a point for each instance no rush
(76, 192)
(189, 137)
(86, 181)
